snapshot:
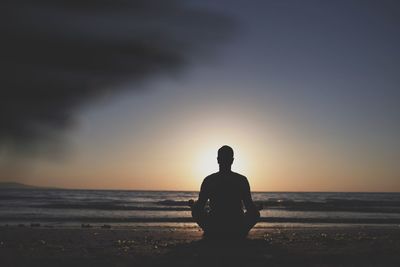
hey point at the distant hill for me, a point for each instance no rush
(14, 185)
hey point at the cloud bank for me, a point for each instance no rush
(59, 55)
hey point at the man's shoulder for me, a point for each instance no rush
(211, 176)
(239, 176)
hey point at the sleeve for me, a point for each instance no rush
(247, 199)
(203, 195)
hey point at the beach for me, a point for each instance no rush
(169, 245)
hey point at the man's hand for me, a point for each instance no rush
(191, 203)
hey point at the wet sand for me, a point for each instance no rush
(184, 246)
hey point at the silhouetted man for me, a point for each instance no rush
(227, 192)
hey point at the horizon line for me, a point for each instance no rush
(172, 190)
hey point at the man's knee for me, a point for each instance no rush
(251, 218)
(257, 215)
(196, 212)
(253, 214)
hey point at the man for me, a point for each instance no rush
(227, 192)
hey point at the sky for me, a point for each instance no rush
(307, 94)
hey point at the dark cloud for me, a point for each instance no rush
(58, 55)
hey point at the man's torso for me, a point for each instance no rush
(225, 191)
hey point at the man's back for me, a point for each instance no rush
(225, 191)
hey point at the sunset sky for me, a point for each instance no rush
(307, 93)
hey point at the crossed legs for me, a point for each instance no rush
(213, 226)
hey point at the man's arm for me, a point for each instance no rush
(203, 196)
(247, 200)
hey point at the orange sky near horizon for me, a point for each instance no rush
(269, 154)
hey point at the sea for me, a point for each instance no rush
(119, 207)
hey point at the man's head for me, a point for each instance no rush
(225, 157)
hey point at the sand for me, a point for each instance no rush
(184, 246)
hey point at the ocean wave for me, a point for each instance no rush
(178, 201)
(169, 202)
(331, 205)
(328, 205)
(105, 206)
